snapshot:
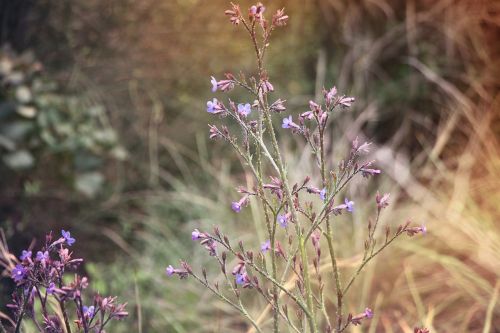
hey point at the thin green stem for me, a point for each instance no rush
(364, 262)
(228, 301)
(329, 231)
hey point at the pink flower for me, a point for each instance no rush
(266, 86)
(346, 101)
(382, 201)
(330, 95)
(234, 14)
(280, 19)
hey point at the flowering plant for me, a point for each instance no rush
(45, 296)
(296, 226)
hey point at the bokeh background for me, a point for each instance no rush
(103, 132)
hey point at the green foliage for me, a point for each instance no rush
(41, 125)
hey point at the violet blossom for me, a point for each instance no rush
(282, 220)
(183, 273)
(197, 235)
(288, 123)
(42, 256)
(241, 278)
(266, 246)
(322, 194)
(367, 314)
(25, 255)
(19, 273)
(51, 289)
(214, 106)
(170, 270)
(349, 205)
(213, 81)
(67, 237)
(236, 205)
(244, 109)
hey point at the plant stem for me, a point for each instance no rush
(65, 316)
(21, 314)
(228, 301)
(363, 264)
(329, 231)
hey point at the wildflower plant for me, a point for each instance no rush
(45, 295)
(296, 225)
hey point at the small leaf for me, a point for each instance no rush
(89, 183)
(18, 160)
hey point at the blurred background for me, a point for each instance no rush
(103, 131)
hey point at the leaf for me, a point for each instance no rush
(19, 160)
(89, 183)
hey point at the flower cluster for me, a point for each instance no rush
(294, 212)
(40, 278)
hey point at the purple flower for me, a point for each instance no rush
(322, 194)
(288, 123)
(183, 273)
(423, 229)
(213, 81)
(283, 220)
(330, 95)
(51, 288)
(349, 205)
(266, 246)
(212, 106)
(241, 278)
(42, 256)
(19, 273)
(88, 311)
(67, 237)
(170, 270)
(236, 205)
(357, 319)
(25, 255)
(195, 235)
(244, 109)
